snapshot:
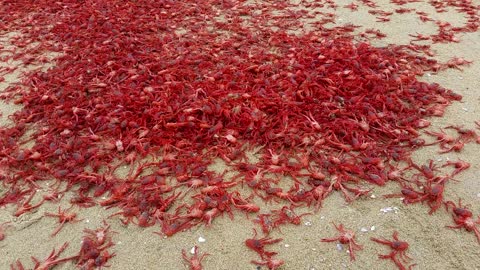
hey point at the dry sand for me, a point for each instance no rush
(432, 246)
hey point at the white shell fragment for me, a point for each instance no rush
(339, 247)
(308, 223)
(192, 251)
(372, 228)
(287, 245)
(363, 229)
(201, 239)
(389, 209)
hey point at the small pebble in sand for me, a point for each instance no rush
(201, 239)
(465, 109)
(478, 195)
(192, 251)
(339, 247)
(372, 228)
(322, 217)
(308, 223)
(373, 196)
(363, 229)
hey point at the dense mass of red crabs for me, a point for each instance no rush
(171, 88)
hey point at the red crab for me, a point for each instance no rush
(195, 261)
(463, 217)
(345, 237)
(258, 245)
(398, 248)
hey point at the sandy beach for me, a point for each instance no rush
(432, 245)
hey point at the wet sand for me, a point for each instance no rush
(432, 246)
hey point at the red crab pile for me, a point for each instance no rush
(170, 88)
(93, 252)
